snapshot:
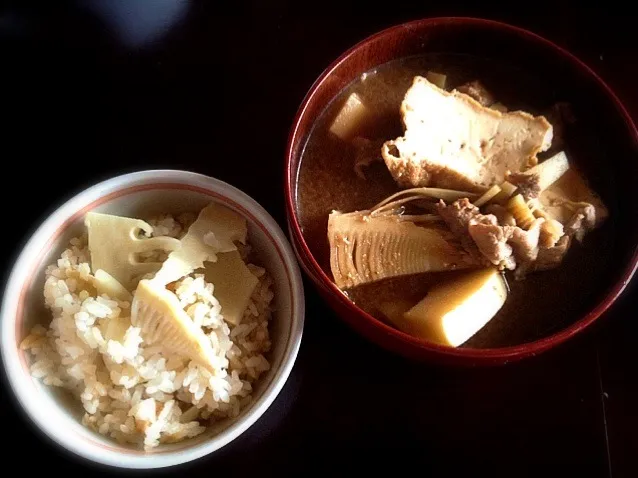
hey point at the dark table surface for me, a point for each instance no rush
(91, 89)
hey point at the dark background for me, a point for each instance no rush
(91, 89)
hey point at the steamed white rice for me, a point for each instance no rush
(136, 393)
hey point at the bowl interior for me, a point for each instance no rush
(524, 71)
(144, 204)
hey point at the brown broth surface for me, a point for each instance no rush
(537, 306)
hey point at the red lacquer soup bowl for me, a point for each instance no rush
(607, 151)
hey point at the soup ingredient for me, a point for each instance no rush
(454, 311)
(506, 246)
(161, 319)
(214, 231)
(366, 248)
(527, 185)
(507, 190)
(488, 195)
(497, 239)
(234, 284)
(458, 216)
(513, 237)
(583, 221)
(501, 107)
(550, 170)
(452, 141)
(409, 195)
(550, 233)
(476, 90)
(350, 118)
(366, 153)
(553, 191)
(325, 183)
(521, 212)
(502, 215)
(114, 243)
(394, 310)
(532, 182)
(486, 240)
(571, 201)
(548, 257)
(437, 79)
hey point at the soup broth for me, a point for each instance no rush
(536, 306)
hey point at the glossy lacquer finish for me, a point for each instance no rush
(519, 48)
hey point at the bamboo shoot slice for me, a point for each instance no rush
(115, 328)
(437, 79)
(214, 231)
(233, 282)
(550, 170)
(350, 118)
(394, 310)
(488, 196)
(365, 248)
(521, 212)
(454, 311)
(162, 320)
(114, 241)
(105, 283)
(507, 190)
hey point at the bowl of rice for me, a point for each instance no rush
(152, 319)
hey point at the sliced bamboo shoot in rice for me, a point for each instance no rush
(454, 311)
(214, 231)
(115, 328)
(366, 248)
(157, 310)
(350, 118)
(234, 284)
(105, 283)
(162, 320)
(114, 241)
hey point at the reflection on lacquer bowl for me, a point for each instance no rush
(521, 71)
(149, 402)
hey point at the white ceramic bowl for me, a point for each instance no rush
(146, 192)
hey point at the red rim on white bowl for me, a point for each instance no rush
(56, 422)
